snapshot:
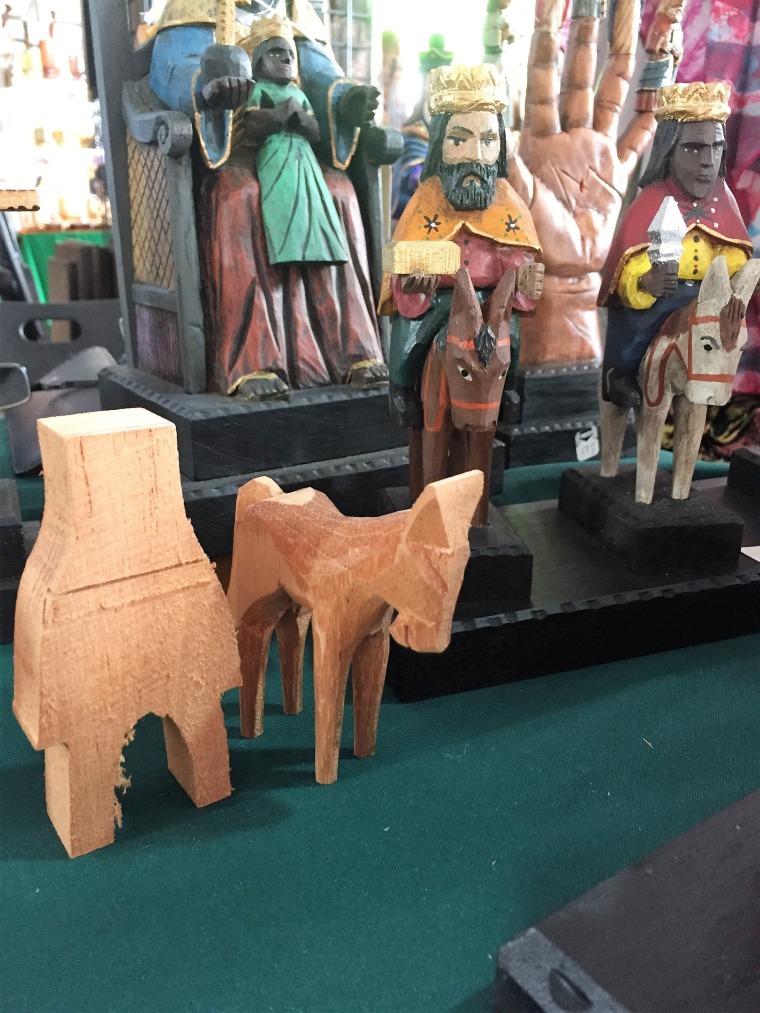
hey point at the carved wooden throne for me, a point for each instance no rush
(152, 171)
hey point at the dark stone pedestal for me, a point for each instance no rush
(696, 535)
(677, 931)
(500, 568)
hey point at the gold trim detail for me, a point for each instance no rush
(337, 164)
(199, 131)
(694, 102)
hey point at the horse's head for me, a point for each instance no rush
(717, 332)
(476, 352)
(422, 582)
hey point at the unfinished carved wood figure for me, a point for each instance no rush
(119, 615)
(297, 560)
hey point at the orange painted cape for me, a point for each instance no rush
(429, 216)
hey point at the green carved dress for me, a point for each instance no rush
(300, 220)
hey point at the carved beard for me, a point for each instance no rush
(472, 197)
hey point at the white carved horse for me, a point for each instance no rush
(691, 364)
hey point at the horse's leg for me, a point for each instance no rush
(253, 644)
(416, 483)
(435, 452)
(479, 458)
(689, 427)
(612, 423)
(291, 641)
(330, 677)
(648, 439)
(459, 452)
(368, 676)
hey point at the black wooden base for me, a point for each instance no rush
(587, 607)
(352, 483)
(678, 931)
(744, 472)
(220, 436)
(696, 536)
(500, 568)
(559, 419)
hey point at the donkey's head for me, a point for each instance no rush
(717, 332)
(476, 352)
(423, 581)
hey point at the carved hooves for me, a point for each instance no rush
(366, 375)
(262, 387)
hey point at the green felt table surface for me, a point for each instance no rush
(394, 888)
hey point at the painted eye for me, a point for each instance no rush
(502, 375)
(464, 374)
(707, 346)
(456, 141)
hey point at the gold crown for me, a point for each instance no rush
(461, 89)
(695, 102)
(273, 27)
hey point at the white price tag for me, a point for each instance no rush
(587, 443)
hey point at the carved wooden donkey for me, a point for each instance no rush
(690, 364)
(461, 389)
(119, 614)
(296, 559)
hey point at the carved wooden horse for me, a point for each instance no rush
(296, 559)
(690, 364)
(462, 383)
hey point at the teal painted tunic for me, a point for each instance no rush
(300, 220)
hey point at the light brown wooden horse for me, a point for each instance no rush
(691, 364)
(297, 560)
(462, 384)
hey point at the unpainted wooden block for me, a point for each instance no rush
(119, 615)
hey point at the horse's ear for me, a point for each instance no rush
(745, 280)
(716, 287)
(497, 308)
(444, 510)
(466, 316)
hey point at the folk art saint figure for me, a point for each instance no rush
(300, 220)
(271, 326)
(464, 197)
(687, 163)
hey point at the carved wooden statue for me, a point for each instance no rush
(119, 614)
(690, 364)
(297, 560)
(461, 390)
(675, 324)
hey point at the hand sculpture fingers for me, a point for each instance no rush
(576, 96)
(227, 92)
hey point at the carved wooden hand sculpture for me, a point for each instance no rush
(572, 172)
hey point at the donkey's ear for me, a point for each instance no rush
(443, 513)
(466, 316)
(497, 308)
(716, 287)
(745, 280)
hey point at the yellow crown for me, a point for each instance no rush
(461, 89)
(695, 102)
(273, 27)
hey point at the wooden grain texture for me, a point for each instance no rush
(408, 257)
(297, 560)
(119, 615)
